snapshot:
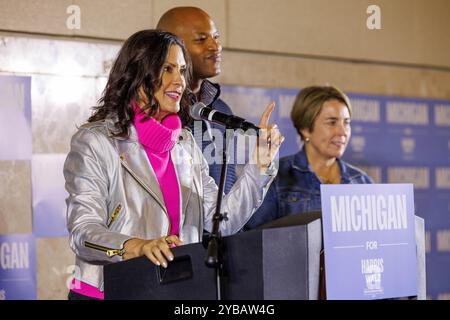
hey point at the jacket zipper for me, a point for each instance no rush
(109, 252)
(115, 214)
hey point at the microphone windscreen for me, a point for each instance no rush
(195, 111)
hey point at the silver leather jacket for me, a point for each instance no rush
(114, 196)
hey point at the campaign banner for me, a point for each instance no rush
(369, 241)
(15, 118)
(17, 267)
(49, 194)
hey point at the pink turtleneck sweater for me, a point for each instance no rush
(157, 140)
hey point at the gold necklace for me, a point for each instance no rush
(334, 179)
(324, 180)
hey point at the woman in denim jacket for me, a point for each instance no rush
(322, 117)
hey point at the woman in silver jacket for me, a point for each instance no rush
(116, 207)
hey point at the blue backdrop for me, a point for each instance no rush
(396, 140)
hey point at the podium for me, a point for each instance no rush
(270, 263)
(281, 260)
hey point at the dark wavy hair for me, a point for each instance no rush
(139, 65)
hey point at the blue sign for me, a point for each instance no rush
(15, 118)
(49, 207)
(17, 267)
(369, 241)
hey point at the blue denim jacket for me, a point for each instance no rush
(296, 189)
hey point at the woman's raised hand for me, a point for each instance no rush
(270, 139)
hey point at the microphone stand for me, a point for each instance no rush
(213, 255)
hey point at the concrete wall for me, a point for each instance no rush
(413, 31)
(286, 43)
(273, 43)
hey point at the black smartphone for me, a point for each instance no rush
(180, 268)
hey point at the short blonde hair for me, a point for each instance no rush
(309, 103)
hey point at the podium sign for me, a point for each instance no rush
(369, 241)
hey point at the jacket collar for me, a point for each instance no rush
(209, 93)
(135, 160)
(112, 131)
(300, 162)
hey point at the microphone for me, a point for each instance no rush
(201, 112)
